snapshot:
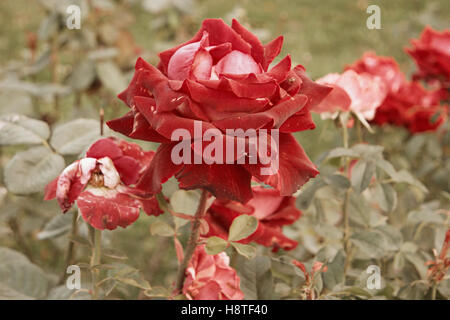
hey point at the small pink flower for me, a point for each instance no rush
(210, 277)
(100, 184)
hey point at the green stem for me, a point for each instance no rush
(346, 222)
(71, 246)
(359, 132)
(192, 242)
(95, 262)
(433, 291)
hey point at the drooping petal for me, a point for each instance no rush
(224, 181)
(73, 180)
(295, 168)
(105, 208)
(104, 148)
(160, 169)
(272, 50)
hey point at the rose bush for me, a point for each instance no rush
(221, 77)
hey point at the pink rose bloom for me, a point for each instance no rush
(210, 277)
(360, 93)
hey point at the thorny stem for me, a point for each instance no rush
(433, 290)
(102, 119)
(192, 242)
(345, 210)
(54, 60)
(95, 261)
(359, 132)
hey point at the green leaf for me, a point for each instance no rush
(242, 227)
(31, 170)
(362, 174)
(111, 76)
(368, 151)
(378, 242)
(21, 275)
(306, 196)
(338, 181)
(15, 102)
(57, 226)
(7, 293)
(335, 273)
(215, 245)
(406, 177)
(19, 129)
(387, 167)
(256, 277)
(245, 250)
(356, 291)
(185, 201)
(341, 152)
(63, 293)
(74, 137)
(386, 197)
(425, 216)
(82, 76)
(161, 228)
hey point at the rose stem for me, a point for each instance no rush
(346, 243)
(95, 261)
(192, 242)
(102, 119)
(71, 246)
(433, 290)
(359, 132)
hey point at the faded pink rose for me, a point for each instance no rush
(360, 93)
(210, 277)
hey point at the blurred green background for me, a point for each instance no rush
(322, 35)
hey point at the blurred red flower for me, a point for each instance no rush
(210, 277)
(100, 184)
(221, 77)
(272, 211)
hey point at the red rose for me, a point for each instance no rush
(210, 277)
(221, 78)
(272, 211)
(431, 53)
(99, 183)
(385, 68)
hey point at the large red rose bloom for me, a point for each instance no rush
(221, 77)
